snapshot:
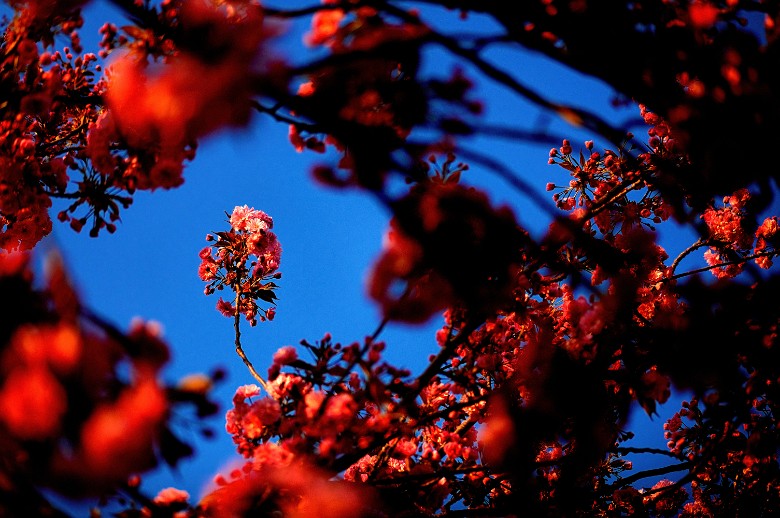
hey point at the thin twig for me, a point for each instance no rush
(615, 193)
(654, 451)
(273, 112)
(305, 11)
(695, 246)
(442, 472)
(444, 355)
(500, 169)
(623, 482)
(745, 259)
(359, 356)
(239, 349)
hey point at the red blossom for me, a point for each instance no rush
(498, 434)
(768, 228)
(299, 490)
(702, 14)
(325, 24)
(119, 437)
(32, 403)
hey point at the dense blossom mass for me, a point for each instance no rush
(82, 404)
(549, 339)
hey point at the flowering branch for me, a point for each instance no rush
(741, 260)
(438, 361)
(244, 259)
(655, 472)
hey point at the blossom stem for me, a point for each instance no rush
(381, 327)
(239, 349)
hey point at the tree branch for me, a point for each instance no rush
(770, 253)
(695, 246)
(627, 481)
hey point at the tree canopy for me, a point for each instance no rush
(549, 340)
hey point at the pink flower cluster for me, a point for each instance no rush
(732, 236)
(245, 259)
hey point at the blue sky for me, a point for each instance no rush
(329, 238)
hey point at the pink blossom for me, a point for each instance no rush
(284, 384)
(285, 355)
(359, 470)
(406, 448)
(313, 401)
(764, 262)
(246, 258)
(269, 253)
(768, 228)
(250, 220)
(726, 225)
(208, 268)
(245, 392)
(325, 24)
(341, 409)
(262, 413)
(592, 321)
(295, 138)
(273, 455)
(226, 308)
(171, 495)
(715, 258)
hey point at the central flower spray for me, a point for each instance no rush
(245, 259)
